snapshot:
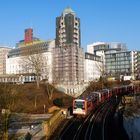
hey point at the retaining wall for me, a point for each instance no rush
(132, 127)
(51, 124)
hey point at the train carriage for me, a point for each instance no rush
(130, 89)
(79, 106)
(85, 104)
(106, 93)
(110, 93)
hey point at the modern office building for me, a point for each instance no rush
(118, 61)
(101, 48)
(121, 64)
(68, 29)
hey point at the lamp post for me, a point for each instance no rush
(44, 108)
(35, 103)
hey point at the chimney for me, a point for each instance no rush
(28, 36)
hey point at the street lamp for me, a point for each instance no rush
(44, 108)
(36, 99)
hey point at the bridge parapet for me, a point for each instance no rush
(72, 90)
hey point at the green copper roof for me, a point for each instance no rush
(68, 10)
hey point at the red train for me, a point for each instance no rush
(83, 105)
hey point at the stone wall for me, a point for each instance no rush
(132, 127)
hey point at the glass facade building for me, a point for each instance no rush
(119, 63)
(117, 60)
(110, 47)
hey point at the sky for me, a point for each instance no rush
(101, 20)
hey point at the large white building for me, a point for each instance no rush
(17, 59)
(94, 63)
(92, 67)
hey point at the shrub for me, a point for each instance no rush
(58, 102)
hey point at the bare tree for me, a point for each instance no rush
(50, 87)
(35, 63)
(8, 98)
(49, 90)
(93, 86)
(101, 68)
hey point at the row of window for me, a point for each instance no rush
(33, 48)
(118, 55)
(92, 57)
(118, 63)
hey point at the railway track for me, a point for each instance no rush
(95, 129)
(92, 127)
(69, 131)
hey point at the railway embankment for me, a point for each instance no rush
(52, 123)
(131, 118)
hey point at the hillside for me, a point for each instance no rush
(29, 99)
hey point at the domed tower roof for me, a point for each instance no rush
(68, 10)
